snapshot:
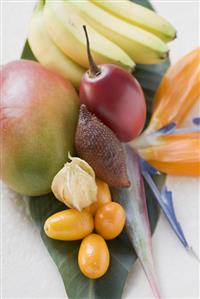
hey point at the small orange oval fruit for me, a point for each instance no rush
(103, 197)
(69, 225)
(93, 256)
(110, 220)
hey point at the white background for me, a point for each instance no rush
(27, 269)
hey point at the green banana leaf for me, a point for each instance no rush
(64, 254)
(123, 257)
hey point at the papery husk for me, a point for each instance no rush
(75, 184)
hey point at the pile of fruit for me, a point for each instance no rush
(105, 216)
(46, 123)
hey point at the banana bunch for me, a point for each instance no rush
(47, 52)
(121, 33)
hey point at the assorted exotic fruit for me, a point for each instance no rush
(75, 123)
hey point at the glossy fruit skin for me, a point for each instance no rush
(116, 97)
(93, 256)
(39, 111)
(103, 197)
(110, 220)
(69, 225)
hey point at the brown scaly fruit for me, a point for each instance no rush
(99, 146)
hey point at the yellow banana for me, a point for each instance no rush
(139, 16)
(65, 27)
(47, 52)
(141, 46)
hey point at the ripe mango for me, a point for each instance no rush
(38, 116)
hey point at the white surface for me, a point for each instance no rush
(28, 271)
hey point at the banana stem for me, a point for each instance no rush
(40, 5)
(94, 70)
